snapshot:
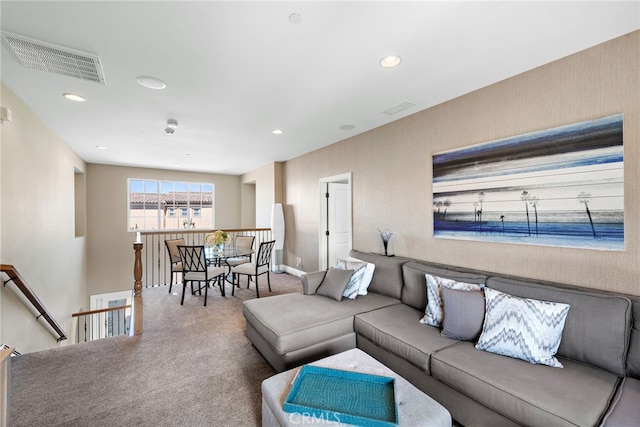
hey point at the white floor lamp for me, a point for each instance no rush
(277, 232)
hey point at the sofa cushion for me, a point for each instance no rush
(577, 395)
(597, 327)
(334, 283)
(434, 312)
(633, 358)
(387, 277)
(396, 329)
(414, 292)
(319, 320)
(465, 311)
(625, 410)
(524, 328)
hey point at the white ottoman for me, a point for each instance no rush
(414, 407)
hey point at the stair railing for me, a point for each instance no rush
(102, 323)
(16, 278)
(156, 259)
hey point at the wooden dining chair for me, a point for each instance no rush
(196, 269)
(261, 266)
(175, 264)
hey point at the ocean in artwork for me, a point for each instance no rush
(558, 187)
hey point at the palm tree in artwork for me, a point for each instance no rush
(475, 215)
(525, 198)
(481, 197)
(502, 219)
(446, 204)
(534, 201)
(438, 205)
(585, 198)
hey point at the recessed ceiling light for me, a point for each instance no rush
(346, 127)
(101, 147)
(277, 131)
(390, 61)
(151, 82)
(74, 97)
(295, 18)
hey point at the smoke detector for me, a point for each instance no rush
(172, 125)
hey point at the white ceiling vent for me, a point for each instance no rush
(400, 107)
(43, 56)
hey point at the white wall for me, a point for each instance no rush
(38, 227)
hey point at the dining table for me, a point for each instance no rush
(219, 255)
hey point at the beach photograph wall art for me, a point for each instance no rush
(557, 187)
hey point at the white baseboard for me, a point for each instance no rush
(293, 271)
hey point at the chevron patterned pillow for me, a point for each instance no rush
(523, 328)
(353, 286)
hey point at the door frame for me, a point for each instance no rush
(98, 301)
(323, 262)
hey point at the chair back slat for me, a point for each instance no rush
(264, 253)
(245, 241)
(193, 258)
(172, 248)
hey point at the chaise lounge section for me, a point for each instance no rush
(293, 329)
(599, 383)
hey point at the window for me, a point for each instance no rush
(166, 205)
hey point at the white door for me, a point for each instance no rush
(338, 221)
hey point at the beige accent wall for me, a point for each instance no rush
(392, 170)
(38, 228)
(110, 243)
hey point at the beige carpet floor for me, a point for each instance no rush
(193, 366)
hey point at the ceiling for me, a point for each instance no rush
(237, 70)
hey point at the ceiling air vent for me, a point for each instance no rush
(400, 107)
(43, 56)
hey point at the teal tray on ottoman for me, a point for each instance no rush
(415, 408)
(344, 396)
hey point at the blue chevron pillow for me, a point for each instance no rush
(523, 328)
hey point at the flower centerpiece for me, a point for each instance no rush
(385, 236)
(218, 238)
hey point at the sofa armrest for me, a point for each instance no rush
(311, 281)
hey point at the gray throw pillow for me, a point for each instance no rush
(433, 312)
(463, 314)
(334, 283)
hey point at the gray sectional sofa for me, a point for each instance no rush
(600, 348)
